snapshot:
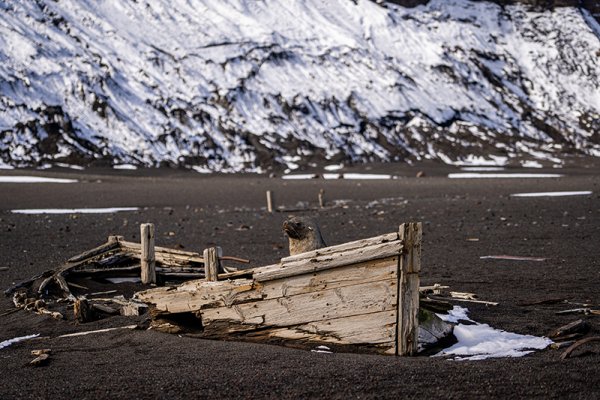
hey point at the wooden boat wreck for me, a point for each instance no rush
(362, 294)
(358, 296)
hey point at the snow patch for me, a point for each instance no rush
(34, 179)
(482, 169)
(474, 175)
(125, 166)
(110, 210)
(480, 341)
(8, 342)
(553, 194)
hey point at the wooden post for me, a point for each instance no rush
(321, 198)
(115, 238)
(409, 266)
(269, 201)
(211, 262)
(147, 256)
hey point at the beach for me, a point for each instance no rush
(528, 243)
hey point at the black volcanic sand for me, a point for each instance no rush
(196, 211)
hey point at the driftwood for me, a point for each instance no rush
(567, 353)
(41, 359)
(119, 258)
(85, 333)
(438, 293)
(586, 311)
(544, 301)
(576, 327)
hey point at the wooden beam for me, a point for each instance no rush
(328, 261)
(111, 244)
(357, 244)
(148, 263)
(269, 201)
(409, 266)
(211, 262)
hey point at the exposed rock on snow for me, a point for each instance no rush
(240, 85)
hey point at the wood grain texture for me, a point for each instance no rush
(408, 289)
(328, 261)
(147, 259)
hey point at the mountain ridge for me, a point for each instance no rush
(249, 86)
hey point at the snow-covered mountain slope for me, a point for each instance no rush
(241, 85)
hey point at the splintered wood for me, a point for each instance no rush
(363, 294)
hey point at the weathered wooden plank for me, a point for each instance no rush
(147, 259)
(324, 262)
(112, 244)
(164, 252)
(355, 274)
(133, 270)
(193, 295)
(166, 260)
(408, 289)
(357, 244)
(375, 330)
(304, 308)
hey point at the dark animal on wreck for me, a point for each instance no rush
(303, 234)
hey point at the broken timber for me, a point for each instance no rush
(362, 294)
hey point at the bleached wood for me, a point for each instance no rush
(408, 289)
(355, 274)
(377, 329)
(96, 251)
(211, 263)
(364, 294)
(269, 201)
(163, 254)
(388, 237)
(193, 295)
(327, 261)
(309, 307)
(147, 254)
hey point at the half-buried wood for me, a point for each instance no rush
(362, 296)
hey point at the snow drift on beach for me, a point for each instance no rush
(480, 341)
(243, 85)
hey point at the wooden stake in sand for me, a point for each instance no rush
(147, 259)
(322, 198)
(211, 262)
(269, 201)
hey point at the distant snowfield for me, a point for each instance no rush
(480, 341)
(352, 176)
(34, 179)
(110, 210)
(553, 194)
(482, 169)
(473, 175)
(240, 85)
(125, 166)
